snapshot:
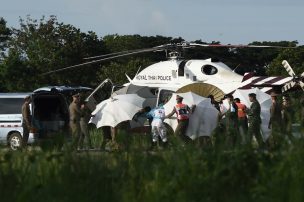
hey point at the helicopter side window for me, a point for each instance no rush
(209, 70)
(174, 73)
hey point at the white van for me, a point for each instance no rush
(49, 111)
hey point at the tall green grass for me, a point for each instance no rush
(178, 173)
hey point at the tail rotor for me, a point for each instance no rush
(296, 81)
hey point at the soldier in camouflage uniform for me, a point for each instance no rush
(27, 120)
(75, 114)
(231, 122)
(275, 121)
(254, 120)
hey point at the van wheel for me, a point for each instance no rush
(15, 141)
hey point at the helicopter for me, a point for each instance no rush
(202, 76)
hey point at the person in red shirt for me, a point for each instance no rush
(242, 119)
(182, 111)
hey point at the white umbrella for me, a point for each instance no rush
(142, 91)
(265, 102)
(204, 119)
(117, 109)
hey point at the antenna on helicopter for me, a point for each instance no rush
(236, 67)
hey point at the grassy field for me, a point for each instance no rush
(131, 173)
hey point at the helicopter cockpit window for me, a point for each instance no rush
(209, 70)
(154, 91)
(164, 96)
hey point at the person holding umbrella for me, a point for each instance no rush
(182, 111)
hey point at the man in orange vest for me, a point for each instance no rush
(182, 111)
(242, 119)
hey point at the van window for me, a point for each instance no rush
(49, 108)
(11, 105)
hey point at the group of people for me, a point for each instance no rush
(156, 117)
(281, 118)
(238, 123)
(79, 115)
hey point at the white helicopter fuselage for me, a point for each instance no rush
(175, 74)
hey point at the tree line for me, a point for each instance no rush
(39, 46)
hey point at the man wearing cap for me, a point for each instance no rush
(75, 114)
(242, 119)
(26, 120)
(231, 121)
(182, 111)
(275, 121)
(254, 120)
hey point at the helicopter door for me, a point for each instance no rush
(181, 68)
(102, 92)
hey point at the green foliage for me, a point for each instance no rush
(5, 33)
(295, 58)
(40, 46)
(176, 174)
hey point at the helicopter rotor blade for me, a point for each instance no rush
(288, 86)
(288, 68)
(165, 47)
(116, 53)
(101, 60)
(236, 46)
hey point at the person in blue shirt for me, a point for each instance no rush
(158, 127)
